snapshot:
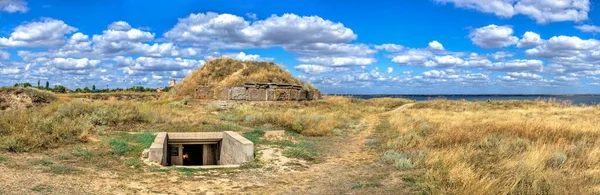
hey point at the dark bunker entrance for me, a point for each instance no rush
(193, 154)
(196, 153)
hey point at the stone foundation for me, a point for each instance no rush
(260, 92)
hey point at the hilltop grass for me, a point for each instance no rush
(226, 73)
(507, 147)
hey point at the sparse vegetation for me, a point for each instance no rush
(42, 188)
(303, 150)
(42, 162)
(62, 169)
(186, 171)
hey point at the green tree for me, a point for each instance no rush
(38, 86)
(47, 85)
(93, 88)
(59, 89)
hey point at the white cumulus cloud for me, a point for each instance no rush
(493, 36)
(45, 33)
(542, 11)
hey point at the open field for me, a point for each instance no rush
(336, 145)
(513, 147)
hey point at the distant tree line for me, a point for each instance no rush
(63, 89)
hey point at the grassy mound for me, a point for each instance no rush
(226, 73)
(14, 98)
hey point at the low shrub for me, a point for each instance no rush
(399, 160)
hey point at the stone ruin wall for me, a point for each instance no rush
(259, 93)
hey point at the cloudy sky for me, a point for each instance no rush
(360, 47)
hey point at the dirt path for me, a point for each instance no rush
(351, 168)
(400, 108)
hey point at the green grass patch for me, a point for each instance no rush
(303, 150)
(65, 157)
(367, 185)
(255, 135)
(62, 169)
(3, 158)
(82, 153)
(42, 162)
(42, 188)
(118, 146)
(186, 171)
(130, 144)
(400, 160)
(135, 163)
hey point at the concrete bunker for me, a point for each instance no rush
(205, 149)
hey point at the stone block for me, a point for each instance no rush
(282, 94)
(222, 94)
(235, 149)
(254, 94)
(238, 93)
(294, 94)
(271, 95)
(204, 92)
(158, 149)
(302, 95)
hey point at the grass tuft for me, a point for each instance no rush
(399, 160)
(42, 162)
(46, 188)
(62, 169)
(186, 171)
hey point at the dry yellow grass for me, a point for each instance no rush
(225, 73)
(457, 147)
(315, 118)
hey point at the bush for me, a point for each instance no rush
(399, 160)
(557, 159)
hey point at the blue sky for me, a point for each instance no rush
(359, 47)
